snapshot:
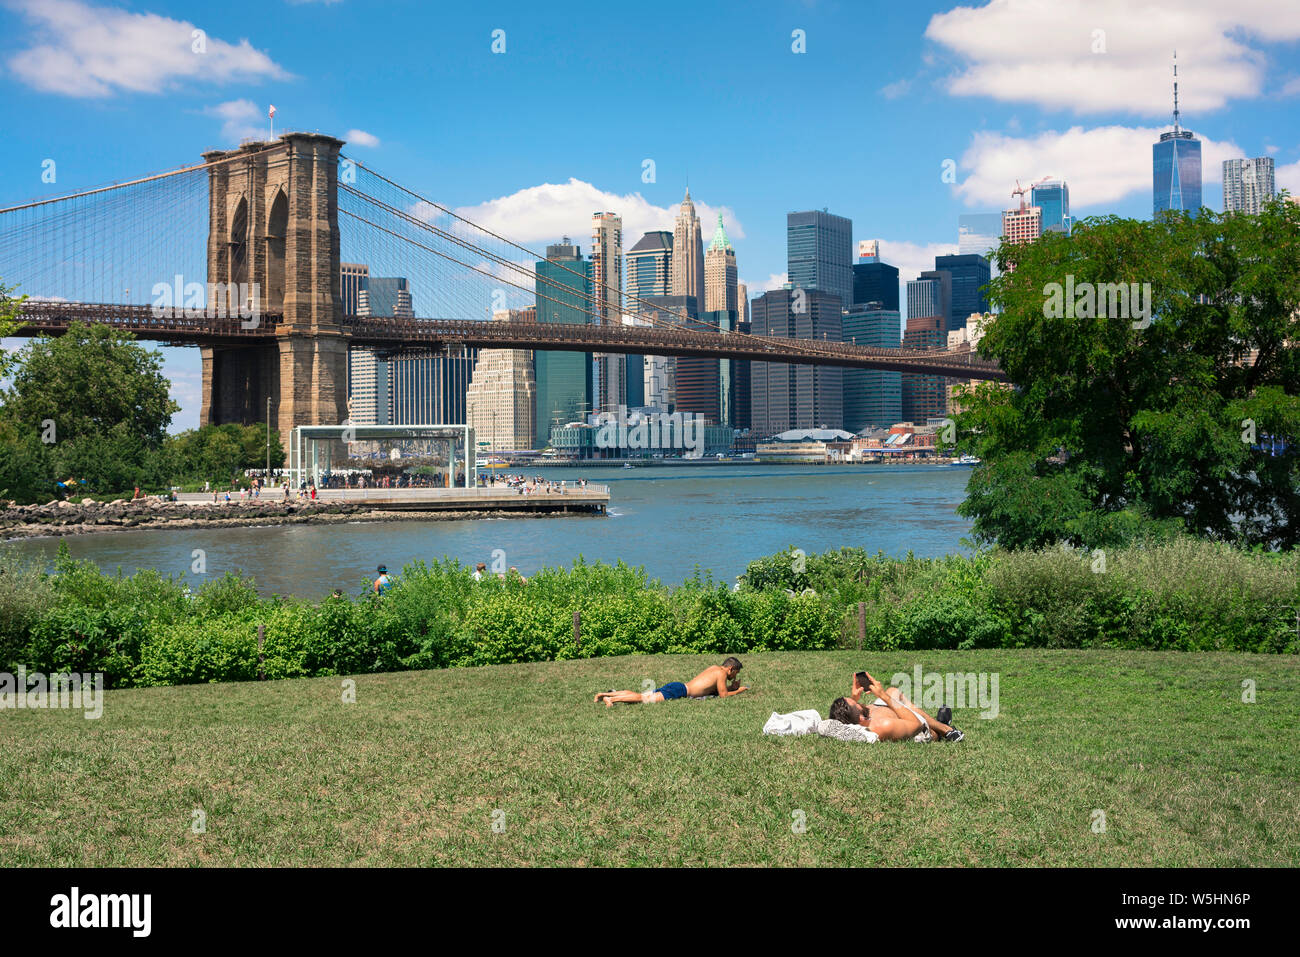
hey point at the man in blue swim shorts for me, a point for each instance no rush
(717, 680)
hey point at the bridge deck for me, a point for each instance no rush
(405, 335)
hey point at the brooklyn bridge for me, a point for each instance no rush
(279, 218)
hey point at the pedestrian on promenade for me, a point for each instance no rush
(480, 571)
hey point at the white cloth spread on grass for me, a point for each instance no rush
(794, 723)
(830, 728)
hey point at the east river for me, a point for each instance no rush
(668, 519)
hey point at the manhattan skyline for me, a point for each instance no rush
(938, 125)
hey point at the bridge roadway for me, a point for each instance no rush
(435, 335)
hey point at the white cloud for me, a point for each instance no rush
(361, 138)
(1042, 51)
(913, 258)
(1101, 165)
(892, 91)
(83, 50)
(1288, 178)
(757, 287)
(241, 120)
(544, 213)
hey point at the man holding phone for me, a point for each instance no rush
(892, 717)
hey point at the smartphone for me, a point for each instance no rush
(862, 678)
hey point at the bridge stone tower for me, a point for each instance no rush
(274, 227)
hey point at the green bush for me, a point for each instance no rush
(147, 629)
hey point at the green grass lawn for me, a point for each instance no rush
(412, 773)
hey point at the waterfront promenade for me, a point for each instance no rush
(501, 498)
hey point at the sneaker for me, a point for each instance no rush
(953, 735)
(945, 715)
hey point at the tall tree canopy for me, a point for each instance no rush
(90, 405)
(1117, 427)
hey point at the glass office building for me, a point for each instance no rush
(872, 397)
(819, 252)
(875, 282)
(969, 275)
(564, 379)
(1053, 198)
(1176, 167)
(785, 396)
(978, 233)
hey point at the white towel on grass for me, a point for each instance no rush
(794, 723)
(830, 728)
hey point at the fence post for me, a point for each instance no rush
(862, 623)
(261, 635)
(577, 629)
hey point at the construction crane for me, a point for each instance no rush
(1021, 190)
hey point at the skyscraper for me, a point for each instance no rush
(819, 252)
(563, 378)
(733, 374)
(679, 383)
(607, 283)
(968, 275)
(379, 296)
(370, 396)
(368, 393)
(1247, 184)
(649, 266)
(1053, 198)
(1176, 167)
(785, 396)
(924, 396)
(1023, 224)
(649, 270)
(687, 277)
(352, 275)
(720, 273)
(943, 296)
(502, 396)
(978, 233)
(427, 390)
(872, 397)
(875, 281)
(742, 304)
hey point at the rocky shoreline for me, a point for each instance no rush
(59, 518)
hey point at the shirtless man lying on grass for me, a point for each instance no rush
(897, 719)
(715, 679)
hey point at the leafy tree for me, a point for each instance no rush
(220, 452)
(1118, 429)
(8, 324)
(97, 401)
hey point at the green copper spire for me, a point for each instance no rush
(720, 237)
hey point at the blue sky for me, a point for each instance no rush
(533, 140)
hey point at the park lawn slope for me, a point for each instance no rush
(411, 774)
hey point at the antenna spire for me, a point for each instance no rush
(1177, 127)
